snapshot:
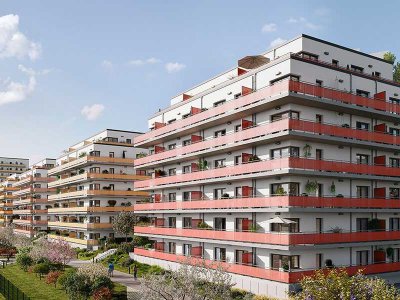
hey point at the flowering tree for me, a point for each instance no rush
(92, 271)
(337, 284)
(60, 251)
(194, 280)
(124, 223)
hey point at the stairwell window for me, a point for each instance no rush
(362, 93)
(357, 69)
(219, 103)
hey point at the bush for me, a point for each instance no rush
(52, 277)
(127, 262)
(140, 241)
(238, 294)
(42, 268)
(63, 278)
(112, 246)
(77, 286)
(102, 282)
(262, 297)
(102, 294)
(125, 247)
(24, 261)
(155, 270)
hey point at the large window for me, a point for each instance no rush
(362, 159)
(285, 115)
(187, 249)
(285, 261)
(285, 152)
(394, 162)
(394, 224)
(362, 257)
(292, 227)
(187, 222)
(220, 223)
(362, 224)
(172, 247)
(219, 163)
(362, 191)
(172, 222)
(219, 254)
(362, 125)
(218, 193)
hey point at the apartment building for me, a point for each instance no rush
(94, 183)
(10, 166)
(285, 164)
(6, 200)
(30, 194)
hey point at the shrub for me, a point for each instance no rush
(140, 241)
(64, 277)
(112, 246)
(52, 277)
(126, 247)
(77, 286)
(262, 297)
(24, 261)
(238, 294)
(92, 271)
(102, 282)
(155, 270)
(127, 262)
(42, 268)
(102, 294)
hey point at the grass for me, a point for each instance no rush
(37, 289)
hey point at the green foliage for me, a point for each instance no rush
(203, 225)
(239, 294)
(41, 268)
(101, 282)
(24, 261)
(124, 223)
(140, 241)
(373, 224)
(77, 286)
(311, 186)
(63, 278)
(390, 57)
(126, 247)
(280, 191)
(337, 282)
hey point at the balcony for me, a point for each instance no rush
(73, 240)
(272, 238)
(264, 168)
(96, 176)
(93, 209)
(378, 103)
(32, 190)
(99, 193)
(29, 200)
(263, 130)
(32, 179)
(87, 160)
(291, 276)
(29, 211)
(80, 225)
(8, 189)
(271, 201)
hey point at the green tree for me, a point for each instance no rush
(123, 223)
(390, 57)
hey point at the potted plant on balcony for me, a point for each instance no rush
(346, 125)
(336, 229)
(280, 191)
(329, 263)
(254, 227)
(81, 171)
(104, 172)
(285, 267)
(311, 186)
(307, 150)
(203, 165)
(225, 196)
(339, 196)
(390, 253)
(254, 158)
(373, 224)
(159, 173)
(82, 154)
(112, 203)
(141, 154)
(203, 225)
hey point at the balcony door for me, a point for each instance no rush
(187, 249)
(219, 254)
(362, 224)
(220, 224)
(362, 258)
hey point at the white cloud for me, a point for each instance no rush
(270, 27)
(107, 65)
(304, 22)
(277, 42)
(141, 62)
(17, 91)
(92, 112)
(14, 43)
(174, 67)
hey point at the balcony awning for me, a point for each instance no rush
(278, 220)
(253, 61)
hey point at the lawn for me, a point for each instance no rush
(37, 289)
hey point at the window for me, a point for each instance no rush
(186, 196)
(362, 224)
(376, 74)
(284, 115)
(171, 121)
(219, 103)
(186, 169)
(394, 224)
(319, 82)
(172, 172)
(362, 93)
(187, 222)
(362, 258)
(111, 170)
(219, 163)
(237, 95)
(187, 249)
(394, 193)
(308, 55)
(292, 227)
(128, 141)
(94, 170)
(94, 186)
(335, 62)
(238, 127)
(94, 203)
(239, 256)
(319, 259)
(220, 223)
(172, 222)
(94, 153)
(356, 68)
(171, 146)
(172, 247)
(95, 219)
(220, 133)
(362, 159)
(319, 224)
(186, 142)
(286, 77)
(285, 152)
(394, 131)
(394, 162)
(362, 191)
(218, 193)
(171, 197)
(111, 154)
(362, 126)
(219, 254)
(319, 118)
(285, 261)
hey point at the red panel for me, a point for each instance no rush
(241, 71)
(159, 246)
(247, 258)
(195, 222)
(246, 124)
(158, 222)
(246, 223)
(196, 138)
(197, 251)
(380, 128)
(246, 157)
(195, 167)
(382, 224)
(380, 96)
(379, 256)
(195, 110)
(186, 97)
(157, 198)
(247, 191)
(380, 193)
(158, 149)
(158, 125)
(246, 90)
(380, 160)
(196, 195)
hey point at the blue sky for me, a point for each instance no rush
(72, 68)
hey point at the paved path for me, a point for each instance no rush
(133, 287)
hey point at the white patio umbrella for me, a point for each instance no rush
(278, 220)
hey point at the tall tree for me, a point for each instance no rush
(390, 57)
(123, 223)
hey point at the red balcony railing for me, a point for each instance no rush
(291, 276)
(265, 129)
(271, 165)
(282, 87)
(276, 201)
(273, 238)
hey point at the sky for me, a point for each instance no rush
(69, 68)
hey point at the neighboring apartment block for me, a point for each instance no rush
(94, 183)
(283, 165)
(6, 200)
(30, 193)
(10, 166)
